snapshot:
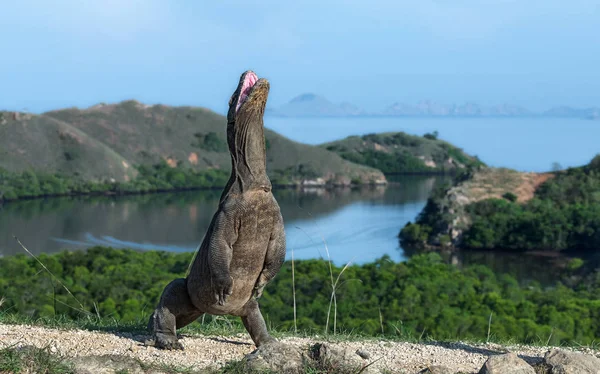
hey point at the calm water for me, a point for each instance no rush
(518, 143)
(356, 225)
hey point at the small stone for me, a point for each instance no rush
(277, 357)
(341, 357)
(508, 363)
(565, 362)
(363, 354)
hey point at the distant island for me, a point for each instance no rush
(312, 105)
(401, 153)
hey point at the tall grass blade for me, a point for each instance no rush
(53, 276)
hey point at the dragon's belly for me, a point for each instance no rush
(247, 261)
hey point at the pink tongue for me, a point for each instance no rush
(249, 81)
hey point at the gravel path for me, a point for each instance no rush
(202, 351)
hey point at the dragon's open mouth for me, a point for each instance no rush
(249, 81)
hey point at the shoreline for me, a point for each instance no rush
(186, 189)
(552, 255)
(306, 184)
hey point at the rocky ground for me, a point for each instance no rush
(202, 352)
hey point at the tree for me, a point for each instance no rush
(556, 166)
(432, 136)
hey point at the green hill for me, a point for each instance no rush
(398, 152)
(501, 209)
(108, 143)
(45, 144)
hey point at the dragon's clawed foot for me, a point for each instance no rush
(222, 288)
(167, 342)
(258, 290)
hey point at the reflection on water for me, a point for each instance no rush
(524, 267)
(357, 224)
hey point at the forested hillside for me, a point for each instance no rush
(421, 297)
(503, 209)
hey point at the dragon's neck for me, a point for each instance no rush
(248, 160)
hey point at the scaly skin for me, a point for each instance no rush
(244, 246)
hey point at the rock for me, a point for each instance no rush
(363, 354)
(348, 360)
(508, 363)
(437, 369)
(313, 182)
(559, 361)
(281, 358)
(276, 357)
(106, 364)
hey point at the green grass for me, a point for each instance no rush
(30, 359)
(239, 367)
(232, 327)
(212, 325)
(423, 298)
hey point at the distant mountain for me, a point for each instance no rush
(563, 111)
(401, 109)
(431, 108)
(311, 105)
(351, 109)
(510, 111)
(566, 111)
(595, 115)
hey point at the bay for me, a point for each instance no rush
(344, 224)
(347, 225)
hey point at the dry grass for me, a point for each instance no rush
(494, 183)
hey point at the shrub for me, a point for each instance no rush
(510, 197)
(431, 136)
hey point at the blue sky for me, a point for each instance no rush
(536, 53)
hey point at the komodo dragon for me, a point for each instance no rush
(244, 246)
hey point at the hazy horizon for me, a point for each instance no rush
(537, 54)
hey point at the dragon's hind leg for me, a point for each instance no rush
(255, 323)
(174, 311)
